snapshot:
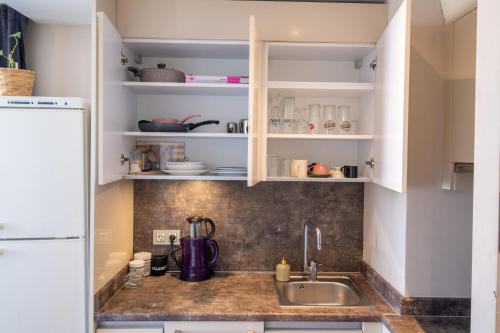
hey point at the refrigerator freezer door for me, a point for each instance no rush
(43, 182)
(43, 286)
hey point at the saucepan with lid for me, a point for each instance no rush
(159, 74)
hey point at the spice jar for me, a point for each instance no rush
(146, 256)
(135, 276)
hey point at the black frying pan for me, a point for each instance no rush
(149, 126)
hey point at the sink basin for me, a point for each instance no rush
(326, 291)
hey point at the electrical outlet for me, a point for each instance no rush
(162, 237)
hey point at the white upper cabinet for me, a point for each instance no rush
(115, 103)
(391, 102)
(255, 99)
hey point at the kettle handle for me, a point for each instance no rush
(215, 252)
(212, 227)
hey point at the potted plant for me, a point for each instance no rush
(14, 81)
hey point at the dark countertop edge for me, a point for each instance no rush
(162, 316)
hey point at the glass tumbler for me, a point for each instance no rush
(345, 126)
(314, 119)
(289, 123)
(275, 113)
(286, 167)
(329, 119)
(273, 165)
(301, 115)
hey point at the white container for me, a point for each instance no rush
(146, 257)
(135, 276)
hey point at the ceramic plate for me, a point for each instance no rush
(185, 166)
(185, 172)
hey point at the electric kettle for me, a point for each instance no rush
(199, 252)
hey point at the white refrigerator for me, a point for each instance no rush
(43, 215)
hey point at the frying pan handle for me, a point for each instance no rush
(201, 123)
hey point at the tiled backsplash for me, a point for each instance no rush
(256, 226)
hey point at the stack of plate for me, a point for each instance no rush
(231, 171)
(185, 168)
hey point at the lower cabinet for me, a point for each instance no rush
(214, 327)
(239, 327)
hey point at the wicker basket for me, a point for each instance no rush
(16, 82)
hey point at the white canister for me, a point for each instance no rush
(299, 168)
(135, 276)
(146, 256)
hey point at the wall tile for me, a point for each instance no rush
(256, 226)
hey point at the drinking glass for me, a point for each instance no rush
(273, 165)
(275, 113)
(345, 126)
(286, 167)
(314, 119)
(301, 115)
(289, 123)
(329, 119)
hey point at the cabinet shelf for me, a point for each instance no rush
(187, 48)
(186, 135)
(174, 88)
(320, 180)
(160, 176)
(319, 137)
(322, 89)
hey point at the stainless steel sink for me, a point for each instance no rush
(326, 291)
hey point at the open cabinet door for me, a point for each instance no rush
(255, 135)
(391, 102)
(115, 104)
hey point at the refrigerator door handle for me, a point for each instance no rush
(1, 252)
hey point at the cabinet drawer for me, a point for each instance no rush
(129, 330)
(213, 327)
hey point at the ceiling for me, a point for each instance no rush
(79, 11)
(54, 11)
(454, 9)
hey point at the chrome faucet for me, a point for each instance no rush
(311, 268)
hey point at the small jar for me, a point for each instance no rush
(146, 256)
(159, 265)
(135, 276)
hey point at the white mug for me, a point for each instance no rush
(299, 168)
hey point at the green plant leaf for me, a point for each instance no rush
(16, 35)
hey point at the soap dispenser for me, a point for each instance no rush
(283, 271)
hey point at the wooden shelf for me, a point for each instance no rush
(320, 180)
(174, 88)
(322, 89)
(319, 137)
(186, 48)
(190, 135)
(162, 176)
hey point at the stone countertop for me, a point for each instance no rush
(229, 296)
(252, 297)
(426, 324)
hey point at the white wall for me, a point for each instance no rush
(439, 222)
(384, 234)
(113, 232)
(420, 242)
(60, 56)
(487, 166)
